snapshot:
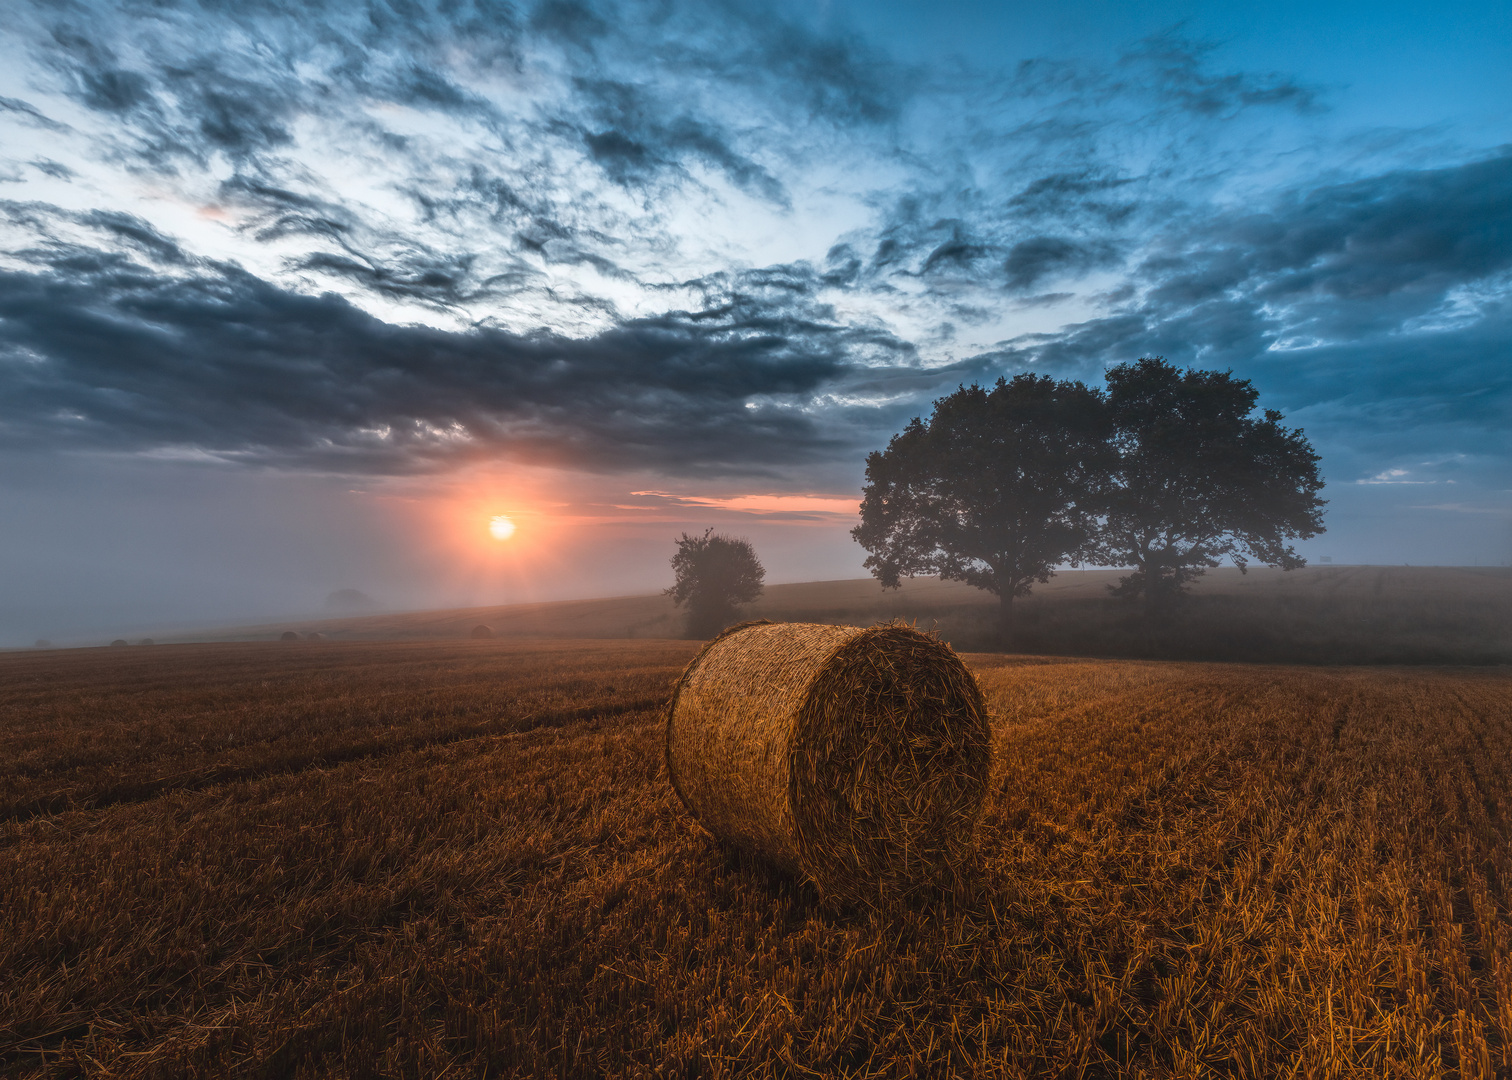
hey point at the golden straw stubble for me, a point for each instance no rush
(857, 757)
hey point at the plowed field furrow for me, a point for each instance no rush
(280, 759)
(95, 728)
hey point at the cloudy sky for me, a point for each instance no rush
(297, 296)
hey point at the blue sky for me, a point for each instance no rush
(295, 296)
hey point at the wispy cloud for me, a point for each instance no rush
(1466, 508)
(1393, 476)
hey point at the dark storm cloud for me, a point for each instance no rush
(839, 78)
(31, 113)
(1180, 74)
(1378, 306)
(634, 144)
(114, 90)
(640, 129)
(56, 169)
(1077, 194)
(133, 232)
(1416, 233)
(278, 212)
(836, 77)
(1323, 265)
(1031, 261)
(949, 251)
(418, 275)
(101, 350)
(1170, 69)
(528, 219)
(393, 263)
(566, 20)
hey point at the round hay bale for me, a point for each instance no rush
(856, 757)
(288, 635)
(118, 642)
(482, 630)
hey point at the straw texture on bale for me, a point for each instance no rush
(856, 757)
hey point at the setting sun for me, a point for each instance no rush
(501, 528)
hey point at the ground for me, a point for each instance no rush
(463, 857)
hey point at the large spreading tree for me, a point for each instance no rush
(715, 574)
(995, 489)
(1198, 477)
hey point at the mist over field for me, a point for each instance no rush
(275, 547)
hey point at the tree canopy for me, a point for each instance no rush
(995, 489)
(1167, 472)
(714, 574)
(1197, 478)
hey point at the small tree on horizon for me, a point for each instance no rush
(715, 574)
(995, 489)
(1199, 478)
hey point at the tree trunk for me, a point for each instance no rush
(1159, 594)
(1005, 617)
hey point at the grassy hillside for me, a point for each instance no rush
(1326, 614)
(463, 858)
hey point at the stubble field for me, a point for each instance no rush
(463, 858)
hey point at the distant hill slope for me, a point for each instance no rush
(1322, 614)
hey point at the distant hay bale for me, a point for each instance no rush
(856, 757)
(315, 635)
(119, 642)
(288, 635)
(482, 630)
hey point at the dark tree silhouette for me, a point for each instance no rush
(994, 490)
(1198, 478)
(714, 575)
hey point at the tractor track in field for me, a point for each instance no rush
(140, 791)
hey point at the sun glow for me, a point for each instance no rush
(501, 528)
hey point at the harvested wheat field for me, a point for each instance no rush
(464, 858)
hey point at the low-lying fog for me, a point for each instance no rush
(98, 550)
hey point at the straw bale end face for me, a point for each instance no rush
(858, 758)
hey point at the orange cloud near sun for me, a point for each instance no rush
(844, 505)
